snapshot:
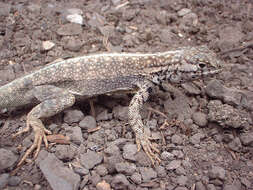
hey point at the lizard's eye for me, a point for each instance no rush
(202, 65)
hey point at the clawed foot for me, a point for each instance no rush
(144, 142)
(39, 134)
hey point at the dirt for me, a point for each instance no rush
(208, 147)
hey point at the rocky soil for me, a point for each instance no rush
(208, 147)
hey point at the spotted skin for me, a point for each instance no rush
(57, 86)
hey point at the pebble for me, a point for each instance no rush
(69, 29)
(129, 152)
(64, 152)
(74, 11)
(75, 18)
(73, 45)
(88, 122)
(176, 139)
(120, 113)
(125, 168)
(120, 182)
(101, 170)
(161, 171)
(247, 139)
(90, 159)
(235, 144)
(7, 158)
(3, 180)
(147, 174)
(47, 45)
(195, 139)
(200, 186)
(217, 172)
(75, 135)
(167, 156)
(174, 165)
(199, 119)
(182, 180)
(136, 178)
(183, 12)
(191, 88)
(72, 116)
(14, 180)
(58, 175)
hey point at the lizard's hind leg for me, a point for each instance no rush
(53, 100)
(142, 139)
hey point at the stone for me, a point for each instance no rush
(69, 29)
(73, 116)
(199, 119)
(217, 172)
(90, 159)
(147, 174)
(7, 158)
(174, 165)
(58, 175)
(88, 122)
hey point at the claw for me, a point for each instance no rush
(39, 134)
(148, 148)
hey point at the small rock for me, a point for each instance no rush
(104, 116)
(3, 180)
(58, 176)
(200, 119)
(7, 158)
(147, 174)
(81, 170)
(88, 122)
(69, 29)
(112, 150)
(75, 18)
(181, 188)
(247, 139)
(74, 11)
(73, 116)
(191, 88)
(182, 180)
(167, 36)
(176, 139)
(167, 156)
(178, 153)
(227, 116)
(161, 172)
(120, 182)
(103, 186)
(76, 135)
(211, 187)
(121, 113)
(101, 170)
(174, 165)
(136, 178)
(37, 187)
(235, 144)
(246, 182)
(73, 45)
(5, 9)
(47, 45)
(231, 187)
(14, 180)
(183, 12)
(200, 186)
(217, 172)
(125, 168)
(34, 7)
(90, 159)
(195, 139)
(95, 178)
(64, 152)
(129, 152)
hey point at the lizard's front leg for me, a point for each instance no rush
(136, 104)
(53, 100)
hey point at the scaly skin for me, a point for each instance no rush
(57, 86)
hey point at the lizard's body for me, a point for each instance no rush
(57, 86)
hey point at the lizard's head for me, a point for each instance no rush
(194, 63)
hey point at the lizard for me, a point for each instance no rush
(59, 85)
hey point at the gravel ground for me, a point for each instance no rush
(210, 147)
